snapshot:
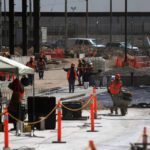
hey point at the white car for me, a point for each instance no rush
(129, 46)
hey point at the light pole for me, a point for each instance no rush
(0, 25)
(66, 25)
(5, 25)
(30, 25)
(110, 38)
(11, 26)
(97, 23)
(125, 58)
(36, 25)
(73, 8)
(86, 21)
(132, 42)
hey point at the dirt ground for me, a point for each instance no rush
(55, 76)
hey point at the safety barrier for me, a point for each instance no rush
(119, 62)
(93, 107)
(34, 122)
(6, 93)
(140, 62)
(45, 117)
(135, 62)
(56, 53)
(6, 76)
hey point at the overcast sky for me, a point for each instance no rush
(94, 5)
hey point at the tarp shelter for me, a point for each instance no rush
(11, 66)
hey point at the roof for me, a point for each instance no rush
(9, 65)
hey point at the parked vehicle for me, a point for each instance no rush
(51, 45)
(129, 46)
(122, 45)
(91, 42)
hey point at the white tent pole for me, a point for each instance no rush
(33, 104)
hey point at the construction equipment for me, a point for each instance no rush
(124, 100)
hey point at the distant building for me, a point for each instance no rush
(53, 18)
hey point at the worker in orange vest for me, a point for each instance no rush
(31, 63)
(71, 77)
(114, 89)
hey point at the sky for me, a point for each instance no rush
(94, 5)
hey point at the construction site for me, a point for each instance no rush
(103, 103)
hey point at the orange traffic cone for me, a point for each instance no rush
(145, 138)
(91, 145)
(119, 62)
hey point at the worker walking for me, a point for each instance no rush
(80, 72)
(114, 89)
(71, 77)
(41, 66)
(31, 64)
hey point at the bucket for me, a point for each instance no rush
(82, 55)
(86, 85)
(42, 124)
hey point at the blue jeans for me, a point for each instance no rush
(71, 86)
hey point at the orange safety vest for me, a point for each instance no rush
(68, 75)
(31, 65)
(115, 87)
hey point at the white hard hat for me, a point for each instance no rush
(112, 77)
(90, 62)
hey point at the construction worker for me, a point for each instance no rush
(114, 89)
(31, 64)
(80, 72)
(41, 66)
(14, 107)
(71, 77)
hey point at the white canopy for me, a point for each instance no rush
(9, 65)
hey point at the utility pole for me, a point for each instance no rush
(110, 38)
(66, 25)
(126, 7)
(0, 25)
(11, 27)
(86, 21)
(36, 26)
(5, 26)
(24, 27)
(30, 32)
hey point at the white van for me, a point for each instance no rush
(91, 42)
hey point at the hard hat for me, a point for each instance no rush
(90, 62)
(117, 76)
(112, 77)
